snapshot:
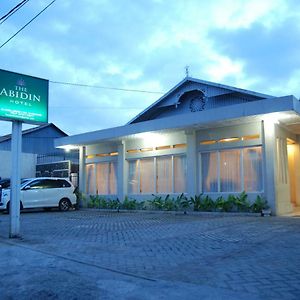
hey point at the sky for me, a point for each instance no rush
(145, 45)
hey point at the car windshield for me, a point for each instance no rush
(6, 184)
(24, 181)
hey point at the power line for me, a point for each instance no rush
(27, 24)
(12, 11)
(104, 87)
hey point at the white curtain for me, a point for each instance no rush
(90, 179)
(133, 177)
(164, 174)
(179, 174)
(106, 178)
(230, 170)
(209, 163)
(112, 184)
(147, 176)
(101, 178)
(253, 169)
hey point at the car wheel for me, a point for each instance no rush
(8, 206)
(64, 204)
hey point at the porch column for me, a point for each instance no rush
(269, 156)
(121, 173)
(191, 161)
(297, 172)
(82, 173)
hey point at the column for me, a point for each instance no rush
(122, 172)
(82, 169)
(269, 156)
(191, 160)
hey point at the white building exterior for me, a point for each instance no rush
(200, 137)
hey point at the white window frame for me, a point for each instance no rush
(154, 160)
(218, 151)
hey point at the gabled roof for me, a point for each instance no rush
(208, 83)
(239, 113)
(32, 130)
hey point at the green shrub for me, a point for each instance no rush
(196, 202)
(94, 201)
(207, 204)
(168, 203)
(182, 202)
(129, 203)
(259, 204)
(242, 203)
(113, 204)
(220, 203)
(157, 202)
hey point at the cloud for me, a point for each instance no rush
(146, 45)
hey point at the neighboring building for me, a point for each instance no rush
(200, 137)
(39, 141)
(28, 163)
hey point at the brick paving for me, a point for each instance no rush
(253, 255)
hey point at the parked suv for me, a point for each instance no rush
(46, 192)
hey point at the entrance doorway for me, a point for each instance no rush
(293, 154)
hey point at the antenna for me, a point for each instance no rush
(187, 71)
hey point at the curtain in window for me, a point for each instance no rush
(209, 163)
(164, 174)
(101, 178)
(90, 179)
(253, 169)
(179, 174)
(230, 174)
(147, 176)
(133, 177)
(106, 177)
(112, 184)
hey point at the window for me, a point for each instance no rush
(164, 174)
(146, 176)
(106, 178)
(179, 173)
(133, 177)
(230, 171)
(209, 163)
(234, 170)
(63, 183)
(253, 173)
(38, 184)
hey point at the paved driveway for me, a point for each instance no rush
(90, 254)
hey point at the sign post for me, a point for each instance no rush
(23, 99)
(16, 145)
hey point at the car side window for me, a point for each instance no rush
(63, 183)
(37, 184)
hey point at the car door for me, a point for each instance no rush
(53, 194)
(33, 194)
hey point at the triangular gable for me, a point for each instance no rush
(192, 95)
(37, 130)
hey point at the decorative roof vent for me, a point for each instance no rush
(197, 103)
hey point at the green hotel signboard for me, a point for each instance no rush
(23, 98)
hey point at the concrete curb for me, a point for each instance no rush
(168, 212)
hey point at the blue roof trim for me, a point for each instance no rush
(191, 79)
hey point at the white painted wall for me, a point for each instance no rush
(28, 164)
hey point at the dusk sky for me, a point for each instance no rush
(145, 45)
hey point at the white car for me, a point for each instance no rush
(45, 192)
